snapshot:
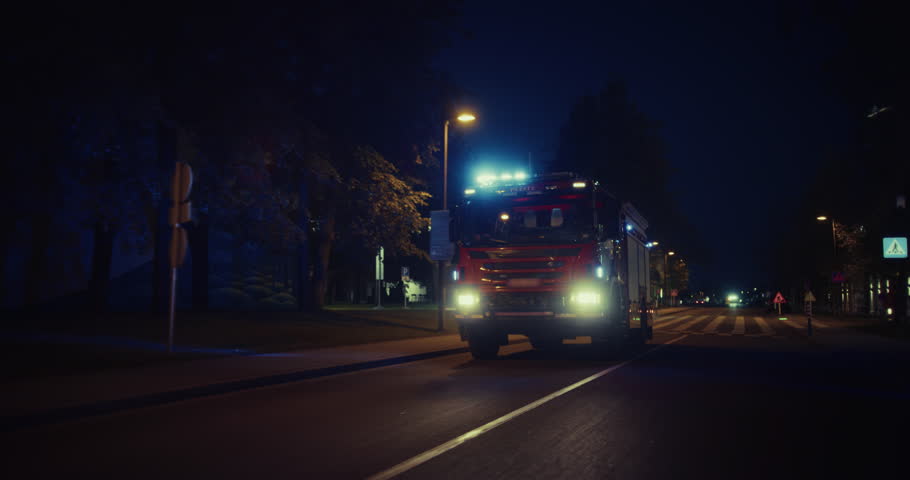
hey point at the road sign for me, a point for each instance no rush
(779, 298)
(405, 274)
(894, 247)
(380, 264)
(440, 245)
(837, 277)
(181, 183)
(809, 297)
(674, 293)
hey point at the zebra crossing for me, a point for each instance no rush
(733, 325)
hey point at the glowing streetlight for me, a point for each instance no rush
(671, 253)
(463, 118)
(440, 295)
(821, 218)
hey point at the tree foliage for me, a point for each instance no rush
(608, 138)
(388, 209)
(296, 117)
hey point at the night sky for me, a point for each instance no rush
(741, 93)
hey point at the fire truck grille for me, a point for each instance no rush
(499, 266)
(501, 277)
(517, 302)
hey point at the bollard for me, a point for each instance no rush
(810, 325)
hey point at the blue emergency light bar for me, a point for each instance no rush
(487, 180)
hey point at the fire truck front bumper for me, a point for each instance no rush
(565, 325)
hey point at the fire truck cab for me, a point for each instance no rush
(551, 257)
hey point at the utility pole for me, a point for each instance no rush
(440, 264)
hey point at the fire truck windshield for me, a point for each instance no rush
(527, 220)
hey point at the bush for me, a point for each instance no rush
(230, 297)
(283, 298)
(258, 291)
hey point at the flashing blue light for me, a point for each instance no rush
(485, 179)
(628, 227)
(520, 175)
(599, 271)
(505, 176)
(649, 244)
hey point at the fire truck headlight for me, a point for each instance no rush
(467, 300)
(586, 297)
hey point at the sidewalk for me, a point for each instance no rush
(51, 345)
(107, 391)
(847, 334)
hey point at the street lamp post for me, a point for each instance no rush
(667, 274)
(823, 218)
(440, 293)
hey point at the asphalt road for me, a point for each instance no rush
(731, 397)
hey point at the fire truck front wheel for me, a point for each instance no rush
(483, 345)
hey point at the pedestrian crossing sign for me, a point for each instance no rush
(894, 247)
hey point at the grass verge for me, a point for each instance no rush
(41, 345)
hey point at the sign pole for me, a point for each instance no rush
(170, 329)
(405, 278)
(809, 323)
(179, 213)
(380, 276)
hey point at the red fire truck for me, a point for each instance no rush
(552, 257)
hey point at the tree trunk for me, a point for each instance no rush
(161, 266)
(167, 157)
(321, 268)
(6, 237)
(303, 252)
(198, 235)
(36, 270)
(102, 256)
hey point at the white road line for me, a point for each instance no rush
(664, 318)
(740, 327)
(674, 321)
(792, 323)
(712, 327)
(445, 447)
(763, 325)
(688, 325)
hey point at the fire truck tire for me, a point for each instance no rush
(483, 347)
